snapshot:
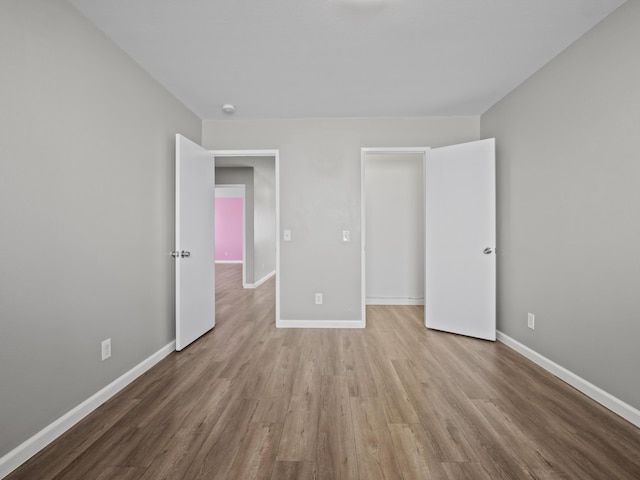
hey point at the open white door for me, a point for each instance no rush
(195, 241)
(460, 274)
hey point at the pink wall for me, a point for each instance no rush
(228, 229)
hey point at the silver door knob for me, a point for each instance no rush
(488, 251)
(185, 254)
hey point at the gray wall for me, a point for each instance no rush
(86, 213)
(264, 220)
(320, 196)
(242, 176)
(395, 227)
(568, 207)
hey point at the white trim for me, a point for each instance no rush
(394, 301)
(392, 150)
(363, 229)
(246, 153)
(320, 323)
(276, 155)
(605, 399)
(277, 160)
(229, 261)
(259, 282)
(229, 190)
(363, 256)
(44, 437)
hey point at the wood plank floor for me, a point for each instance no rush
(392, 401)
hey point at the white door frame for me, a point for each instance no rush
(276, 156)
(363, 154)
(241, 188)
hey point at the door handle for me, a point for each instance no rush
(185, 254)
(488, 251)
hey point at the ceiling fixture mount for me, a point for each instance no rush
(228, 108)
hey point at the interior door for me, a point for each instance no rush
(460, 273)
(195, 241)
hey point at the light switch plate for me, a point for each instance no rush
(106, 349)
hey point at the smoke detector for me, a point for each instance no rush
(228, 108)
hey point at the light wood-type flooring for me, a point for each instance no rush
(392, 401)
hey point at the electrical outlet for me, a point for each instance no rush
(106, 349)
(531, 321)
(318, 299)
(346, 236)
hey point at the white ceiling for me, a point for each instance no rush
(343, 58)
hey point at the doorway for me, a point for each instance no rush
(195, 234)
(258, 172)
(459, 236)
(393, 226)
(230, 225)
(394, 198)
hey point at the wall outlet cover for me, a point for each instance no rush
(531, 321)
(106, 349)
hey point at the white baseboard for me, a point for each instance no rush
(394, 301)
(260, 282)
(605, 399)
(320, 324)
(229, 261)
(44, 437)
